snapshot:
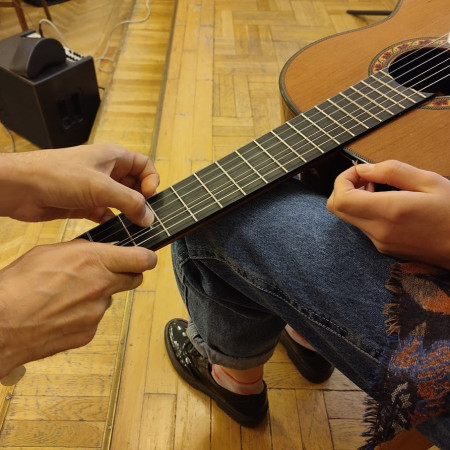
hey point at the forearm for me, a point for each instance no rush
(77, 182)
(53, 297)
(18, 182)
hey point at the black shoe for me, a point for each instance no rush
(310, 364)
(247, 410)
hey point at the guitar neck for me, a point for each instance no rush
(264, 162)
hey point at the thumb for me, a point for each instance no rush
(116, 195)
(397, 174)
(125, 259)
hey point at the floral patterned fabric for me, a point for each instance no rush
(416, 382)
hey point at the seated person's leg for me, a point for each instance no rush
(283, 259)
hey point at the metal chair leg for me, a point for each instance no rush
(20, 15)
(357, 12)
(47, 11)
(17, 5)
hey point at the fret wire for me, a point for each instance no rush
(158, 219)
(359, 122)
(183, 203)
(88, 234)
(200, 210)
(265, 159)
(398, 91)
(311, 141)
(373, 88)
(207, 206)
(320, 129)
(245, 178)
(335, 121)
(180, 200)
(207, 190)
(292, 148)
(345, 97)
(210, 181)
(251, 171)
(229, 193)
(145, 234)
(314, 139)
(306, 139)
(349, 114)
(261, 146)
(370, 100)
(109, 232)
(288, 146)
(180, 218)
(239, 173)
(391, 79)
(359, 107)
(178, 223)
(270, 156)
(226, 173)
(126, 229)
(251, 167)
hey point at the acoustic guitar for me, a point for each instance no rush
(377, 93)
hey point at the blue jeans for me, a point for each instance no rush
(284, 259)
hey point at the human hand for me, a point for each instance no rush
(54, 296)
(77, 182)
(412, 223)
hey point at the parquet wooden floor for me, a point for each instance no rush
(216, 89)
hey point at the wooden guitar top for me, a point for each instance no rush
(322, 69)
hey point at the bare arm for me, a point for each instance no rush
(76, 182)
(54, 296)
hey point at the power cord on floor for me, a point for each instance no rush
(49, 22)
(98, 60)
(103, 56)
(124, 22)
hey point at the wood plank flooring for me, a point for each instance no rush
(217, 90)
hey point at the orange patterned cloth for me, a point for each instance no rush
(415, 383)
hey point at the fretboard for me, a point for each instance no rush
(264, 162)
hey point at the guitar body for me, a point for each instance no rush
(419, 137)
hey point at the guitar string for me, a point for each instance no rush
(432, 41)
(335, 127)
(169, 225)
(244, 187)
(263, 142)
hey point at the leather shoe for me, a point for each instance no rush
(310, 364)
(247, 410)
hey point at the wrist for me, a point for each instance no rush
(12, 354)
(6, 363)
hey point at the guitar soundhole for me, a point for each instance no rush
(423, 69)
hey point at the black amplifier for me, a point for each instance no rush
(48, 93)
